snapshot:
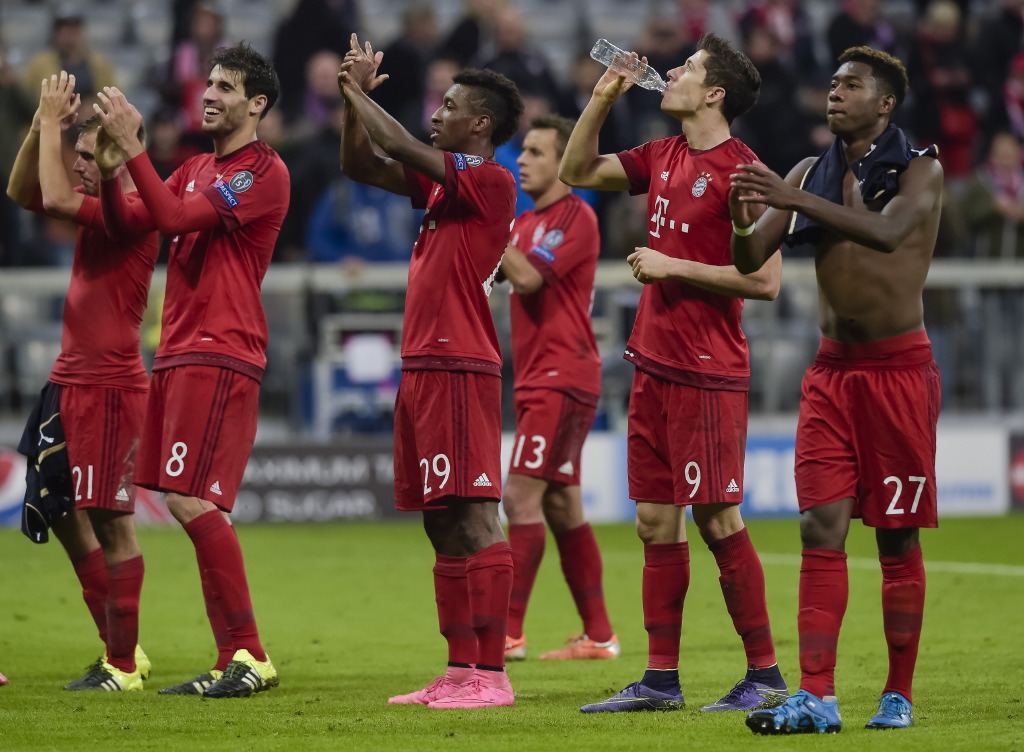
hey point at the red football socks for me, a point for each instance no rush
(91, 570)
(489, 576)
(125, 582)
(220, 559)
(824, 592)
(666, 579)
(451, 593)
(742, 580)
(527, 542)
(581, 565)
(903, 587)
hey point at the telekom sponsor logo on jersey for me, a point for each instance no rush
(660, 218)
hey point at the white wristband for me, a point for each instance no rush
(743, 231)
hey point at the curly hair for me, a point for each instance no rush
(885, 69)
(258, 74)
(494, 95)
(725, 66)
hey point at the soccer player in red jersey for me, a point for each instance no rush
(224, 211)
(550, 263)
(688, 405)
(865, 447)
(97, 389)
(448, 410)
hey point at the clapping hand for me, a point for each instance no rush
(121, 120)
(359, 68)
(108, 155)
(58, 101)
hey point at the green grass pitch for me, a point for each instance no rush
(347, 615)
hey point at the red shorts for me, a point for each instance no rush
(551, 427)
(686, 445)
(447, 438)
(102, 426)
(868, 416)
(199, 430)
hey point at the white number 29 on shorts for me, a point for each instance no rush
(442, 469)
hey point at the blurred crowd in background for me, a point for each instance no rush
(965, 60)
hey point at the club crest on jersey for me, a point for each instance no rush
(553, 239)
(462, 161)
(700, 185)
(241, 181)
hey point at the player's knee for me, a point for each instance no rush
(522, 510)
(563, 509)
(717, 521)
(116, 534)
(522, 499)
(184, 508)
(819, 532)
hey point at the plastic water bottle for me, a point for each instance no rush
(621, 61)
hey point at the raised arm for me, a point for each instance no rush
(360, 159)
(582, 165)
(399, 146)
(757, 232)
(23, 183)
(57, 104)
(172, 215)
(920, 189)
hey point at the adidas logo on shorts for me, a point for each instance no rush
(733, 487)
(215, 488)
(566, 469)
(122, 495)
(483, 480)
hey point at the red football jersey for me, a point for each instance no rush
(553, 343)
(212, 302)
(683, 333)
(106, 299)
(448, 324)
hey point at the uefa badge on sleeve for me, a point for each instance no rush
(241, 181)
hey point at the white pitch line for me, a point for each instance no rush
(947, 567)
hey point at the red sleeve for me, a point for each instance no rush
(89, 213)
(123, 215)
(476, 183)
(419, 187)
(259, 186)
(171, 215)
(637, 165)
(569, 240)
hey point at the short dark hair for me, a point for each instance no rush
(729, 68)
(562, 126)
(885, 69)
(258, 74)
(94, 123)
(494, 95)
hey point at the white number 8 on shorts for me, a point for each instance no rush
(176, 464)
